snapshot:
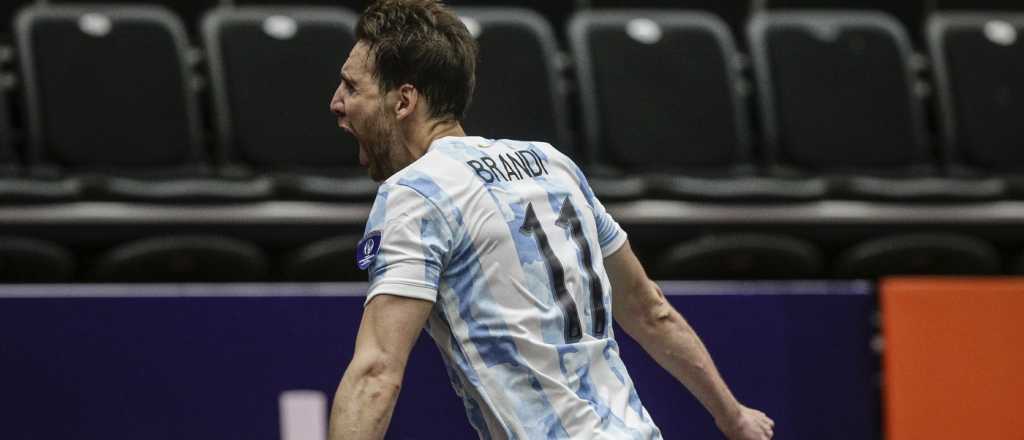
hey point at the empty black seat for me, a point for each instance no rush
(110, 96)
(742, 256)
(908, 12)
(181, 259)
(24, 260)
(332, 259)
(734, 13)
(273, 71)
(190, 11)
(661, 97)
(519, 92)
(556, 12)
(17, 185)
(919, 254)
(979, 70)
(838, 98)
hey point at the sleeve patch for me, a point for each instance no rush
(367, 249)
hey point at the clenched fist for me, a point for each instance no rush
(749, 424)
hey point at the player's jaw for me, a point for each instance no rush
(378, 139)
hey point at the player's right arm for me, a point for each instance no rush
(640, 307)
(366, 396)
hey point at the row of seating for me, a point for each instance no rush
(734, 12)
(211, 258)
(839, 101)
(192, 11)
(112, 109)
(171, 258)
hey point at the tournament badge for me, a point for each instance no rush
(367, 249)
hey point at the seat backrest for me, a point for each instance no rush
(189, 11)
(659, 89)
(733, 13)
(979, 70)
(108, 87)
(908, 12)
(837, 91)
(519, 92)
(7, 156)
(554, 12)
(273, 72)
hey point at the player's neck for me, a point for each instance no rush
(420, 140)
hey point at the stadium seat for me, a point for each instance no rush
(741, 256)
(274, 70)
(839, 98)
(24, 260)
(661, 97)
(908, 12)
(332, 259)
(190, 11)
(181, 259)
(110, 97)
(979, 70)
(919, 254)
(734, 13)
(17, 185)
(554, 12)
(517, 46)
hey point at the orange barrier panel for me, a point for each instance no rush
(954, 358)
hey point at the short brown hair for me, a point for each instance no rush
(423, 43)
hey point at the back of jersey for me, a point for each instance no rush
(508, 241)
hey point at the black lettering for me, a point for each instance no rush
(520, 164)
(539, 162)
(493, 166)
(479, 168)
(509, 169)
(528, 163)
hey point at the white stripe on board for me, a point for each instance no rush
(303, 415)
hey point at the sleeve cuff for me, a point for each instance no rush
(614, 245)
(406, 289)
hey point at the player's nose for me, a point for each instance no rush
(337, 107)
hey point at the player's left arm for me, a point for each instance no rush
(369, 389)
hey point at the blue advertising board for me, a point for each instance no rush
(222, 361)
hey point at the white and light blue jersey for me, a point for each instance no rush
(507, 239)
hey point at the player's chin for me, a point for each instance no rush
(377, 175)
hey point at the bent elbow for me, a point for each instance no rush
(380, 370)
(658, 316)
(656, 311)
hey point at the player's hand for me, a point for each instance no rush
(750, 424)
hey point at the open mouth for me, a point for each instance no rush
(363, 159)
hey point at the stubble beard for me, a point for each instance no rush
(382, 144)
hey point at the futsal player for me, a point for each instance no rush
(499, 249)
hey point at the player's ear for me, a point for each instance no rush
(408, 100)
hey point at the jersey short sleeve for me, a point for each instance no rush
(610, 235)
(414, 244)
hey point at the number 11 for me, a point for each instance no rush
(568, 219)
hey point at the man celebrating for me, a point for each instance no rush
(501, 251)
